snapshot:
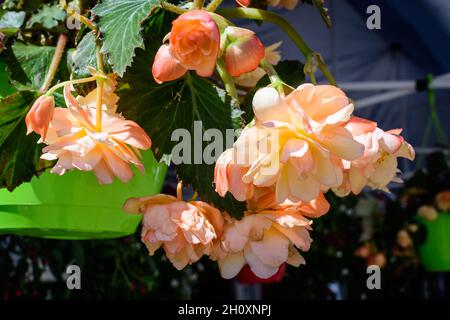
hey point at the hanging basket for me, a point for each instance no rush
(435, 251)
(75, 206)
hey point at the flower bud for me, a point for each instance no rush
(268, 105)
(40, 115)
(165, 67)
(243, 52)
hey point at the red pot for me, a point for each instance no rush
(246, 276)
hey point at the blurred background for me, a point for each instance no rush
(397, 76)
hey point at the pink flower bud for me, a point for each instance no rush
(40, 115)
(165, 67)
(268, 105)
(244, 51)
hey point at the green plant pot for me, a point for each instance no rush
(75, 206)
(435, 251)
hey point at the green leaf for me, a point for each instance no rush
(28, 5)
(48, 17)
(5, 87)
(11, 21)
(290, 71)
(160, 109)
(19, 153)
(29, 63)
(83, 56)
(120, 24)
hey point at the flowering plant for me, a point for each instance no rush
(140, 75)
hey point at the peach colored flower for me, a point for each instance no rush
(310, 141)
(193, 45)
(185, 230)
(443, 200)
(39, 117)
(244, 51)
(250, 79)
(228, 177)
(165, 67)
(427, 212)
(265, 198)
(264, 241)
(377, 167)
(74, 141)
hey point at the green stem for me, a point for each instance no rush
(271, 72)
(278, 83)
(213, 5)
(99, 102)
(198, 4)
(312, 76)
(228, 81)
(99, 56)
(173, 8)
(62, 84)
(70, 12)
(59, 50)
(263, 15)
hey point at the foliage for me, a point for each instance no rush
(36, 269)
(20, 156)
(120, 24)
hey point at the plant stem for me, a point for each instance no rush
(228, 81)
(275, 79)
(99, 56)
(194, 196)
(213, 5)
(62, 40)
(198, 4)
(271, 72)
(258, 14)
(87, 22)
(62, 84)
(180, 190)
(312, 76)
(99, 104)
(173, 8)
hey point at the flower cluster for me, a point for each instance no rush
(196, 42)
(298, 147)
(187, 230)
(77, 140)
